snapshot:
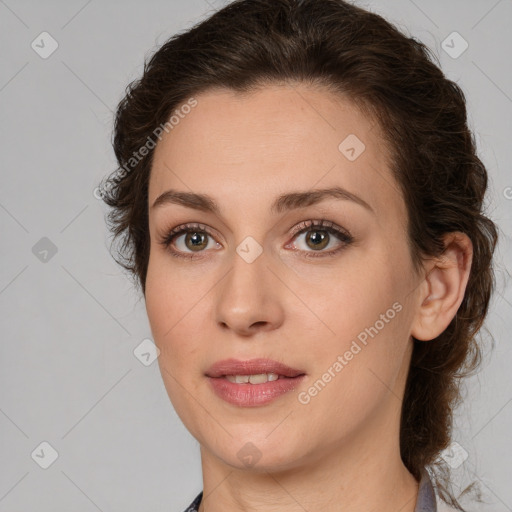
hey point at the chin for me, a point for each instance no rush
(257, 453)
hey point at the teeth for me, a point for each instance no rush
(253, 379)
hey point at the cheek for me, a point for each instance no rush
(170, 303)
(171, 308)
(371, 348)
(345, 297)
(177, 303)
(168, 296)
(360, 299)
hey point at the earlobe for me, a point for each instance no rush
(443, 289)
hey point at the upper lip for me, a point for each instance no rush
(251, 367)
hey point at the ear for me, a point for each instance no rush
(444, 286)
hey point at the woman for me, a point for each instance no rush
(300, 202)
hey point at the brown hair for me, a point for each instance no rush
(422, 115)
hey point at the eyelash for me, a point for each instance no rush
(305, 226)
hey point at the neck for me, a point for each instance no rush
(357, 476)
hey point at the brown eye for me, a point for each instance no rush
(185, 240)
(318, 236)
(317, 239)
(196, 240)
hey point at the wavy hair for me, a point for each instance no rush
(397, 81)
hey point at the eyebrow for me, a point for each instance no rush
(284, 202)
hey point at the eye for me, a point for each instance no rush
(319, 235)
(194, 237)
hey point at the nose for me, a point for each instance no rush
(248, 298)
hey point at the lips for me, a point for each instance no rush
(251, 367)
(244, 394)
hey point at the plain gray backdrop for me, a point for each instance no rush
(73, 394)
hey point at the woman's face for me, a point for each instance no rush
(245, 284)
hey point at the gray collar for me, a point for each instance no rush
(426, 497)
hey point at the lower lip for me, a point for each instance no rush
(253, 395)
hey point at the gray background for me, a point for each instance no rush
(70, 324)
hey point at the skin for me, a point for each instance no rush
(244, 150)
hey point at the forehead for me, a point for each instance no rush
(236, 146)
